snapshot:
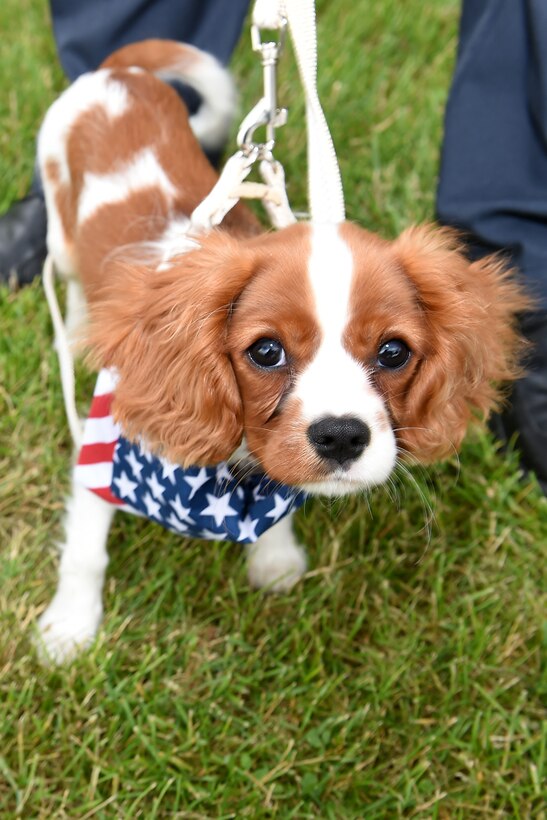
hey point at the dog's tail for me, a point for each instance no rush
(170, 60)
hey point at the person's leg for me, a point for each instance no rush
(87, 31)
(493, 176)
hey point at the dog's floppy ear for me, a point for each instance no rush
(470, 310)
(164, 332)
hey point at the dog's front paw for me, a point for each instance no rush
(275, 567)
(65, 629)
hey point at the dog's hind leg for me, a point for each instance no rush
(276, 562)
(70, 622)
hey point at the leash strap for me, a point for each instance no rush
(64, 353)
(326, 197)
(325, 192)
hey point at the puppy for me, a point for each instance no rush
(329, 351)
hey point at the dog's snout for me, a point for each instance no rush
(341, 439)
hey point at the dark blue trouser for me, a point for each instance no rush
(493, 176)
(87, 31)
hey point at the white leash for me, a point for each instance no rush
(64, 353)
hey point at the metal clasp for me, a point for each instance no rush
(265, 113)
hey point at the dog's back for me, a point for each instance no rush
(119, 156)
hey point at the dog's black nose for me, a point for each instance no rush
(340, 439)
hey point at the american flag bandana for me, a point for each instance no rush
(199, 502)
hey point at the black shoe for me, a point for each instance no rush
(526, 412)
(23, 241)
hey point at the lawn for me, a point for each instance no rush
(403, 677)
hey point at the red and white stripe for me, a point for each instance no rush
(94, 467)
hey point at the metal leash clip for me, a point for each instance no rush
(265, 113)
(232, 184)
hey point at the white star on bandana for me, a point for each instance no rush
(223, 473)
(280, 508)
(247, 529)
(219, 507)
(135, 465)
(177, 525)
(152, 507)
(213, 536)
(126, 486)
(169, 470)
(181, 510)
(196, 481)
(156, 487)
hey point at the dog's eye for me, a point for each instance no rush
(393, 354)
(267, 353)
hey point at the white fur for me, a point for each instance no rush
(142, 171)
(276, 561)
(70, 622)
(173, 242)
(334, 383)
(211, 123)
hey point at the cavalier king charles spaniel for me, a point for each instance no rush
(325, 351)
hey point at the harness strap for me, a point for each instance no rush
(64, 353)
(231, 186)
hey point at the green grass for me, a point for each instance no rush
(403, 678)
